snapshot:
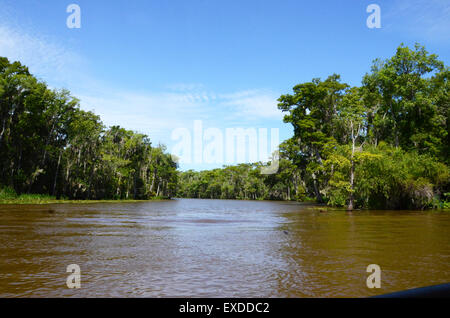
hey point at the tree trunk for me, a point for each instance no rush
(90, 181)
(157, 191)
(153, 180)
(56, 174)
(66, 186)
(3, 129)
(316, 189)
(352, 176)
(352, 170)
(118, 187)
(134, 186)
(46, 144)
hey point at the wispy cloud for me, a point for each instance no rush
(183, 87)
(254, 104)
(160, 112)
(155, 113)
(428, 19)
(46, 58)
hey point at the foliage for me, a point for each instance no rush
(48, 145)
(243, 181)
(384, 144)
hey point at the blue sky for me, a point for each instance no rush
(153, 66)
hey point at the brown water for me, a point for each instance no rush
(215, 248)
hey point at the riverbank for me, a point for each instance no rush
(324, 207)
(34, 202)
(39, 199)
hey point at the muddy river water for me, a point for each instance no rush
(217, 248)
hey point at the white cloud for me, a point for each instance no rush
(152, 113)
(428, 19)
(162, 111)
(183, 87)
(254, 104)
(45, 58)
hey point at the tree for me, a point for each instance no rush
(352, 117)
(312, 112)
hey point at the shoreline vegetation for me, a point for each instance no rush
(37, 201)
(10, 198)
(45, 200)
(382, 145)
(51, 147)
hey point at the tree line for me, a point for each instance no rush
(384, 144)
(243, 181)
(48, 145)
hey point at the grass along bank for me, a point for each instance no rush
(9, 196)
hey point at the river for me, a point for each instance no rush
(217, 248)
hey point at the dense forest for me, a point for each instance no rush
(384, 144)
(48, 145)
